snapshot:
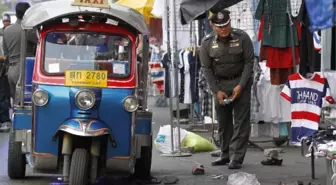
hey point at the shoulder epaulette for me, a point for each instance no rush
(207, 37)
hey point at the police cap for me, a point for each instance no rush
(221, 18)
(6, 17)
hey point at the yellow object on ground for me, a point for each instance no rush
(199, 143)
(143, 6)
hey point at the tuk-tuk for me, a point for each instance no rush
(81, 102)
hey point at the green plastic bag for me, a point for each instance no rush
(199, 143)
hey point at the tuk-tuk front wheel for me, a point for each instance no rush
(79, 169)
(143, 165)
(16, 168)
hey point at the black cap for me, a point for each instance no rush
(221, 18)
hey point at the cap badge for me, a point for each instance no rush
(220, 15)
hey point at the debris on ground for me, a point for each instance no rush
(198, 170)
(242, 178)
(272, 158)
(218, 176)
(170, 180)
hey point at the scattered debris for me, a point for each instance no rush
(218, 176)
(170, 180)
(198, 170)
(272, 158)
(242, 178)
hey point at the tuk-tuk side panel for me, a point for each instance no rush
(112, 112)
(50, 117)
(22, 119)
(143, 124)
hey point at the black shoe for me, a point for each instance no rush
(220, 162)
(234, 165)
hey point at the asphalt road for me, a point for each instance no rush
(294, 168)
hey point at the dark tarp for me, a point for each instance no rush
(195, 9)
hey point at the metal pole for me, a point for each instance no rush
(175, 72)
(173, 77)
(170, 77)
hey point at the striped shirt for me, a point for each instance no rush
(306, 96)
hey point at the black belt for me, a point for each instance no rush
(233, 77)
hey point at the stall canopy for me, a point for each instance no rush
(195, 9)
(143, 6)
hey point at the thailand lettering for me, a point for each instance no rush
(307, 97)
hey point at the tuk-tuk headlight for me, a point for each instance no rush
(40, 97)
(130, 104)
(85, 99)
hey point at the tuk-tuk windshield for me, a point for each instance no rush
(87, 51)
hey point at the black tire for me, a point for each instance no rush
(279, 141)
(79, 168)
(143, 165)
(16, 168)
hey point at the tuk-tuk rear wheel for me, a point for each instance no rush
(143, 165)
(16, 168)
(79, 169)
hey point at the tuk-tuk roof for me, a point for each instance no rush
(47, 11)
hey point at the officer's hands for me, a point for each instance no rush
(221, 96)
(236, 92)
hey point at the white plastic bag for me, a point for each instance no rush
(163, 139)
(242, 178)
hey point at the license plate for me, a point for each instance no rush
(86, 78)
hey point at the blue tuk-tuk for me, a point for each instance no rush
(81, 102)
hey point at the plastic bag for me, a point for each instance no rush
(199, 143)
(242, 178)
(163, 139)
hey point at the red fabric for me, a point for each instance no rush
(260, 33)
(279, 58)
(305, 115)
(299, 30)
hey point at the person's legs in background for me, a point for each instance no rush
(4, 104)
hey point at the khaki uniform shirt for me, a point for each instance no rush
(225, 58)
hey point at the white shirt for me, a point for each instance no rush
(187, 80)
(158, 8)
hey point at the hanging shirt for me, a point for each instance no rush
(181, 77)
(187, 80)
(306, 97)
(165, 62)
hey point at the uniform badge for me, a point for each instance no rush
(220, 16)
(214, 45)
(234, 44)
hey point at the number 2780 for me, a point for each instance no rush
(95, 75)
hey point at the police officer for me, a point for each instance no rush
(227, 57)
(12, 46)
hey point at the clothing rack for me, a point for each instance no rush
(171, 49)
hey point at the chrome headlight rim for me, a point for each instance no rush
(93, 96)
(131, 97)
(40, 91)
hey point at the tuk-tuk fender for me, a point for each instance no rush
(85, 128)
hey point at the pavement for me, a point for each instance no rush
(295, 167)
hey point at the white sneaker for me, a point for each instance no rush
(5, 127)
